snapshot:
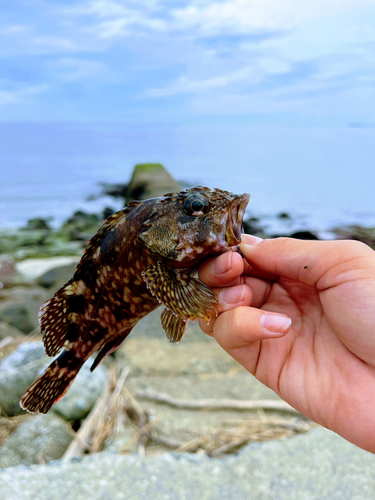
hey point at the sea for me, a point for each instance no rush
(321, 177)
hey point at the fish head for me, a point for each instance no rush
(187, 226)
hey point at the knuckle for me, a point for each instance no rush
(357, 247)
(236, 319)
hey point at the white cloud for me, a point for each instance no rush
(122, 27)
(184, 85)
(14, 29)
(170, 48)
(250, 74)
(108, 8)
(120, 21)
(252, 15)
(54, 43)
(21, 95)
(72, 69)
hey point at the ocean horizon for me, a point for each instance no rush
(322, 177)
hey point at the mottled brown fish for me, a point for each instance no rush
(143, 256)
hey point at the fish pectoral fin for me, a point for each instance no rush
(109, 347)
(179, 291)
(174, 326)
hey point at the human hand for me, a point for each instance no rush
(300, 316)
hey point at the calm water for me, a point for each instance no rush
(323, 177)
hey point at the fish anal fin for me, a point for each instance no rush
(179, 291)
(109, 347)
(175, 326)
(51, 386)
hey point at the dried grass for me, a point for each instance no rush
(121, 409)
(118, 409)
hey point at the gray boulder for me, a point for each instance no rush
(8, 273)
(315, 466)
(20, 306)
(17, 372)
(7, 330)
(18, 316)
(39, 440)
(83, 393)
(150, 180)
(57, 276)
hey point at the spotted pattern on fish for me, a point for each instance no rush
(143, 256)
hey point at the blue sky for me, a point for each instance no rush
(267, 62)
(275, 97)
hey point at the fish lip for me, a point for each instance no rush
(235, 220)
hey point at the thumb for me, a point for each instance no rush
(307, 261)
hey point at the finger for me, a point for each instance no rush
(260, 289)
(241, 326)
(302, 260)
(257, 273)
(245, 332)
(229, 298)
(222, 270)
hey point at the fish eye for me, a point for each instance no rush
(196, 204)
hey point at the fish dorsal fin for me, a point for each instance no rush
(61, 317)
(179, 291)
(57, 323)
(174, 326)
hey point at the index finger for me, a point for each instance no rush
(222, 270)
(314, 263)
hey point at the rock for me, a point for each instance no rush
(121, 439)
(21, 298)
(8, 272)
(150, 180)
(40, 439)
(12, 240)
(283, 215)
(35, 269)
(57, 277)
(356, 232)
(17, 372)
(18, 316)
(197, 369)
(80, 226)
(38, 223)
(9, 331)
(315, 466)
(150, 327)
(83, 393)
(252, 226)
(182, 425)
(304, 235)
(159, 356)
(108, 211)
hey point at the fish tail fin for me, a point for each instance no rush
(52, 385)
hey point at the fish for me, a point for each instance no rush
(143, 256)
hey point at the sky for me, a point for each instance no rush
(294, 62)
(276, 95)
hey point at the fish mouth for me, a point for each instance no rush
(234, 227)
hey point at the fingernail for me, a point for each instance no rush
(222, 263)
(249, 239)
(232, 295)
(275, 323)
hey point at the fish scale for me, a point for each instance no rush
(144, 255)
